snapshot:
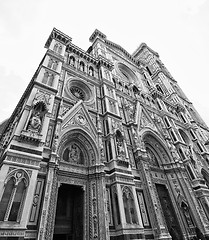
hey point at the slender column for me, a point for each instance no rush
(48, 209)
(161, 231)
(197, 211)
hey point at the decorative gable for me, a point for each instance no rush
(78, 116)
(145, 121)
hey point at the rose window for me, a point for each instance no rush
(78, 89)
(77, 92)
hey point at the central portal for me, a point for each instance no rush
(69, 213)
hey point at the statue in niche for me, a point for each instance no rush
(186, 213)
(152, 157)
(173, 150)
(35, 122)
(188, 152)
(192, 155)
(131, 112)
(72, 154)
(135, 139)
(120, 148)
(120, 143)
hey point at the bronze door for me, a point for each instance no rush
(69, 213)
(169, 213)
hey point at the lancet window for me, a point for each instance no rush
(129, 206)
(13, 196)
(91, 71)
(72, 61)
(82, 66)
(58, 48)
(48, 79)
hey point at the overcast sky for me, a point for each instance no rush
(177, 29)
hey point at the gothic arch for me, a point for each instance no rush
(156, 146)
(79, 146)
(205, 175)
(184, 136)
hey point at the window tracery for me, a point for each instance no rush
(91, 71)
(129, 206)
(120, 144)
(82, 66)
(13, 196)
(72, 61)
(48, 79)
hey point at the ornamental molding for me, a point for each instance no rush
(79, 117)
(146, 121)
(43, 97)
(10, 233)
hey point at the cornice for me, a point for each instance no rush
(59, 36)
(118, 47)
(140, 49)
(100, 61)
(95, 34)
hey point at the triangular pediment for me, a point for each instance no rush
(145, 121)
(78, 116)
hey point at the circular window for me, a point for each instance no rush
(77, 89)
(77, 92)
(126, 72)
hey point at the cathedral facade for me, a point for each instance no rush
(103, 145)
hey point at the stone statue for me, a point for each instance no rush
(173, 150)
(74, 153)
(35, 123)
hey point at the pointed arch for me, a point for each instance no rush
(184, 136)
(153, 143)
(14, 192)
(205, 175)
(78, 147)
(129, 205)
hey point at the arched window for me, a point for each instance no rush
(55, 64)
(126, 208)
(114, 82)
(91, 71)
(129, 207)
(56, 47)
(45, 78)
(135, 90)
(159, 88)
(19, 194)
(60, 49)
(173, 135)
(51, 80)
(48, 79)
(72, 61)
(6, 197)
(184, 136)
(13, 197)
(118, 221)
(120, 86)
(50, 63)
(82, 66)
(182, 153)
(148, 83)
(126, 89)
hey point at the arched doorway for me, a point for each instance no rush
(77, 154)
(69, 214)
(157, 156)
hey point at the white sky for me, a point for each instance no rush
(177, 29)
